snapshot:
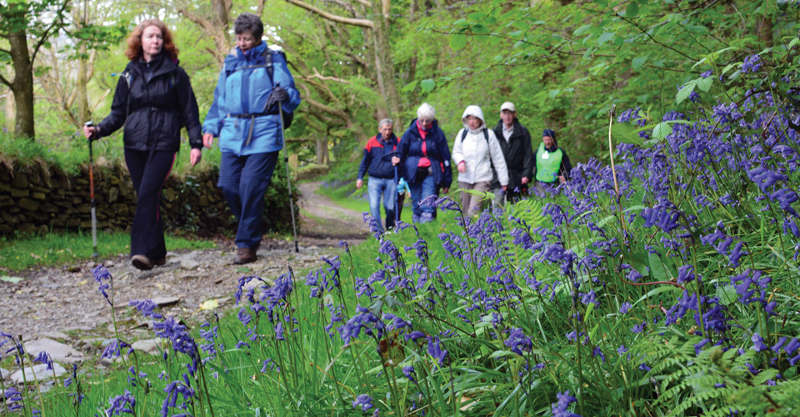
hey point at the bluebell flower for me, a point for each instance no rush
(751, 63)
(622, 350)
(706, 74)
(598, 352)
(435, 350)
(146, 308)
(625, 307)
(699, 345)
(13, 398)
(113, 349)
(518, 341)
(409, 372)
(363, 401)
(685, 274)
(560, 408)
(639, 327)
(44, 357)
(643, 367)
(125, 403)
(104, 281)
(173, 390)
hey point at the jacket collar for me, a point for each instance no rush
(160, 64)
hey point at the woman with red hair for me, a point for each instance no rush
(154, 100)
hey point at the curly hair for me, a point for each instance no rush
(134, 50)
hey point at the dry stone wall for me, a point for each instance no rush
(39, 197)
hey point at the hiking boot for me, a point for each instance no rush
(244, 256)
(160, 261)
(141, 262)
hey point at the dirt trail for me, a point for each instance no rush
(65, 298)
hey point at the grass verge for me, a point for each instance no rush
(17, 254)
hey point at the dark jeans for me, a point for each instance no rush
(244, 180)
(424, 187)
(149, 170)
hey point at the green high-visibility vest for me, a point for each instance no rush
(547, 164)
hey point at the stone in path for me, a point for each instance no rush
(149, 346)
(4, 373)
(165, 301)
(58, 351)
(40, 371)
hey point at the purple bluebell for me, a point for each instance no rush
(622, 350)
(363, 402)
(751, 63)
(113, 349)
(146, 308)
(561, 407)
(44, 357)
(624, 308)
(173, 390)
(364, 319)
(125, 403)
(639, 327)
(13, 399)
(598, 352)
(643, 367)
(518, 341)
(409, 372)
(436, 351)
(699, 345)
(104, 281)
(685, 274)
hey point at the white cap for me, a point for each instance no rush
(508, 106)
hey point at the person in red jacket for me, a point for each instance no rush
(377, 162)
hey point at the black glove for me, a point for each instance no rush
(278, 95)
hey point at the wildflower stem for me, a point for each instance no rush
(620, 214)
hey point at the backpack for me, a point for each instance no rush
(288, 117)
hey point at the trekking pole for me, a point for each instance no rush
(288, 177)
(396, 200)
(93, 203)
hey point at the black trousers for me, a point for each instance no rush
(149, 170)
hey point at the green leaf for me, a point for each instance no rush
(684, 92)
(427, 85)
(458, 42)
(638, 62)
(581, 30)
(661, 131)
(657, 269)
(704, 84)
(605, 37)
(632, 10)
(726, 294)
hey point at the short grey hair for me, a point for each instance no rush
(385, 122)
(426, 111)
(249, 22)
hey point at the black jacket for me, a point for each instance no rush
(154, 100)
(518, 153)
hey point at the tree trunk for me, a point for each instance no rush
(764, 30)
(22, 85)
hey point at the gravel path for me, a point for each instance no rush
(64, 302)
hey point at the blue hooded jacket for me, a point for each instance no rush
(243, 88)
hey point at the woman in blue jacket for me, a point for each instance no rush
(425, 162)
(245, 116)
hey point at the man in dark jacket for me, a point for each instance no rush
(425, 162)
(377, 162)
(515, 141)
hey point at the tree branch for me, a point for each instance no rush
(335, 18)
(57, 21)
(5, 81)
(636, 25)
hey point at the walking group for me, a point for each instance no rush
(254, 97)
(499, 160)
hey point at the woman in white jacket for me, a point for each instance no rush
(477, 154)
